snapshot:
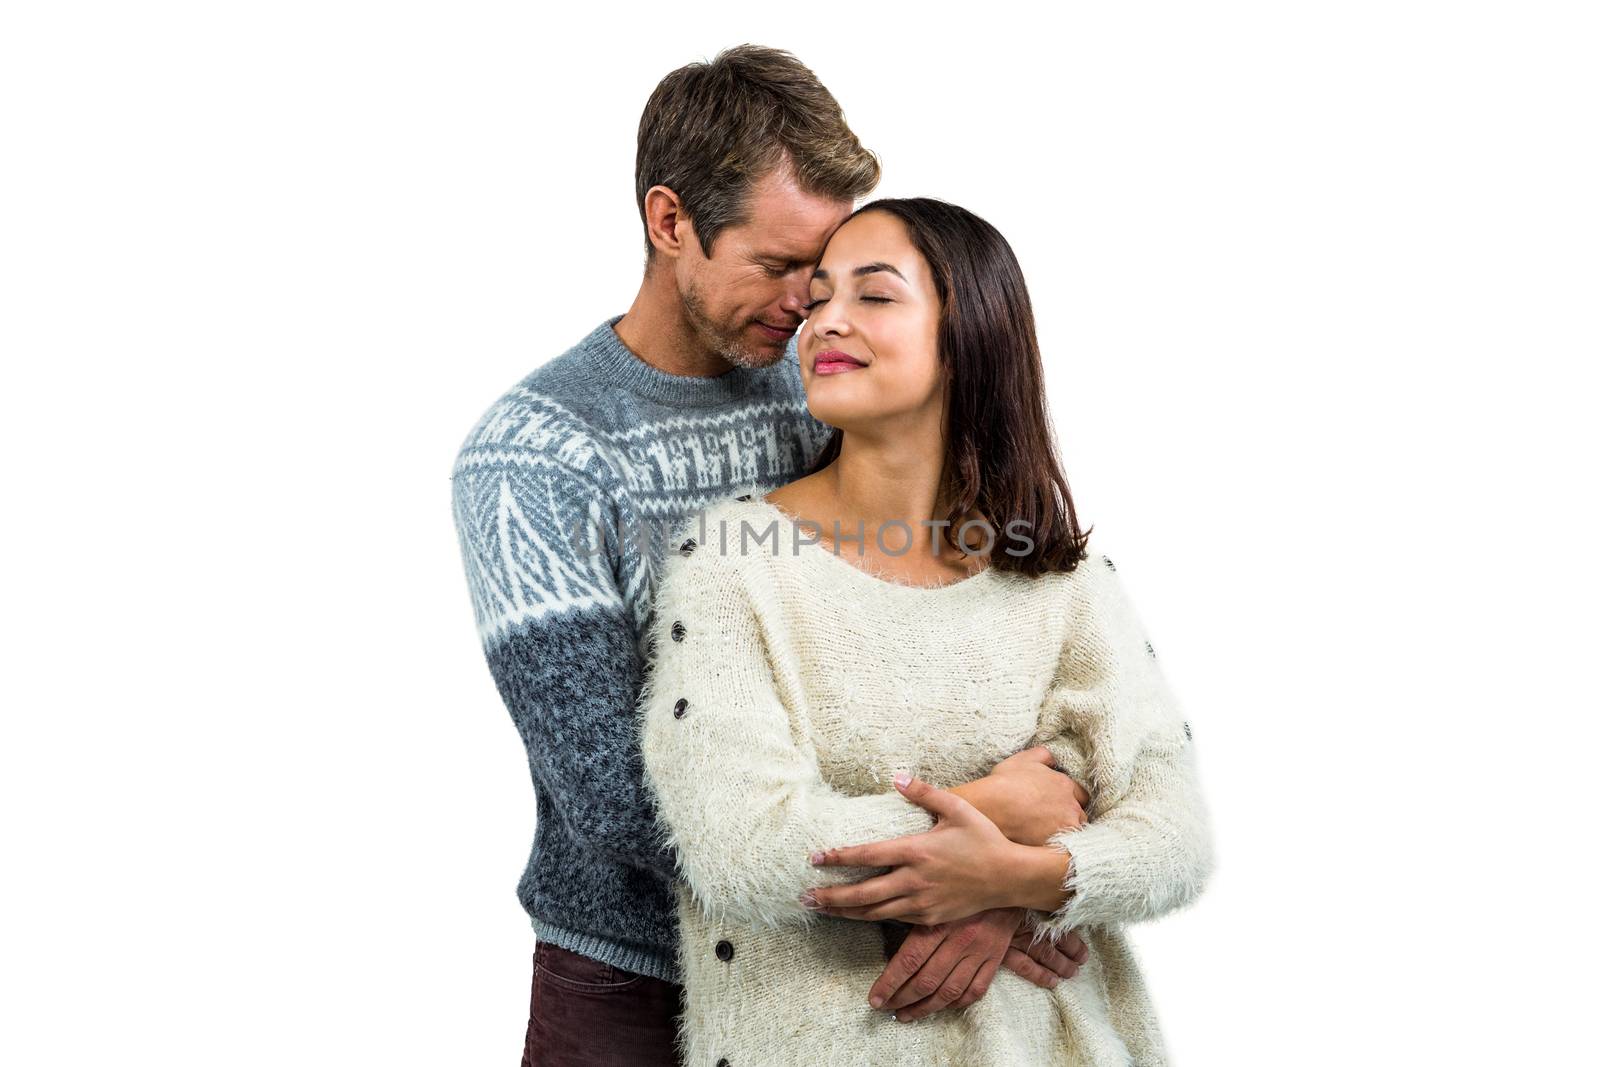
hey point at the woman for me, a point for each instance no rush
(922, 600)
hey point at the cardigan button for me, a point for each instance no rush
(746, 496)
(724, 951)
(688, 546)
(679, 708)
(678, 630)
(723, 1062)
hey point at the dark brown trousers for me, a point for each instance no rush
(584, 1013)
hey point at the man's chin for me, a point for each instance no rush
(755, 357)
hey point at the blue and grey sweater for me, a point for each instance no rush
(598, 449)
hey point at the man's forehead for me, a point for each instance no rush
(791, 240)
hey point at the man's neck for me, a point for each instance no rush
(656, 330)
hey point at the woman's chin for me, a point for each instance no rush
(839, 416)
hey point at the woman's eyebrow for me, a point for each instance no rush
(868, 268)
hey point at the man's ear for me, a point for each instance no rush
(665, 223)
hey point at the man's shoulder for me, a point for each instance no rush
(542, 420)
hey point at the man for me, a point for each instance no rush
(745, 167)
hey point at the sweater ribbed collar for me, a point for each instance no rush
(615, 363)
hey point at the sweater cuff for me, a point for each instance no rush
(1108, 875)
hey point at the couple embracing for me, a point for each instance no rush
(864, 755)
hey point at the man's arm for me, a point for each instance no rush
(560, 643)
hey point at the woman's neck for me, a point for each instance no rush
(876, 482)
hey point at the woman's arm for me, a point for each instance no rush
(738, 791)
(1147, 848)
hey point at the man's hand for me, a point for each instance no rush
(947, 965)
(952, 964)
(1037, 963)
(1027, 797)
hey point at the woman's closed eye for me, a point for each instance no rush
(867, 299)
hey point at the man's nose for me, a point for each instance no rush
(794, 302)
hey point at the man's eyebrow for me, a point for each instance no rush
(790, 262)
(866, 268)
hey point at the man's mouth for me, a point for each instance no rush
(775, 333)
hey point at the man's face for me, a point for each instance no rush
(746, 301)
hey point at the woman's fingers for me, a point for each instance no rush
(902, 908)
(940, 802)
(896, 883)
(893, 852)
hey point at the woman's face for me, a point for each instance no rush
(869, 348)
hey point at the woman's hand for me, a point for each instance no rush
(962, 866)
(1027, 797)
(1040, 800)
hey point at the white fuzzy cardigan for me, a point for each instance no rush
(786, 687)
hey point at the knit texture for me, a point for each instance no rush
(564, 494)
(787, 687)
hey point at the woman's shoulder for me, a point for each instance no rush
(705, 547)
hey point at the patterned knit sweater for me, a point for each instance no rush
(787, 687)
(599, 450)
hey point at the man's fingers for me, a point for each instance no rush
(1075, 947)
(948, 992)
(980, 983)
(1055, 959)
(913, 953)
(1030, 968)
(928, 978)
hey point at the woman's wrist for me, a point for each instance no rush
(1036, 874)
(989, 797)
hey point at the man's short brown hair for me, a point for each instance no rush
(710, 131)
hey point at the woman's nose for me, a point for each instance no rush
(825, 322)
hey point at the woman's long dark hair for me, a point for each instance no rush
(1000, 456)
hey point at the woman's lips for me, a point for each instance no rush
(835, 362)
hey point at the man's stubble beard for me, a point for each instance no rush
(730, 347)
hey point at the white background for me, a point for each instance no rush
(1316, 284)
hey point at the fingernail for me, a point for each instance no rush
(816, 857)
(875, 1000)
(902, 779)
